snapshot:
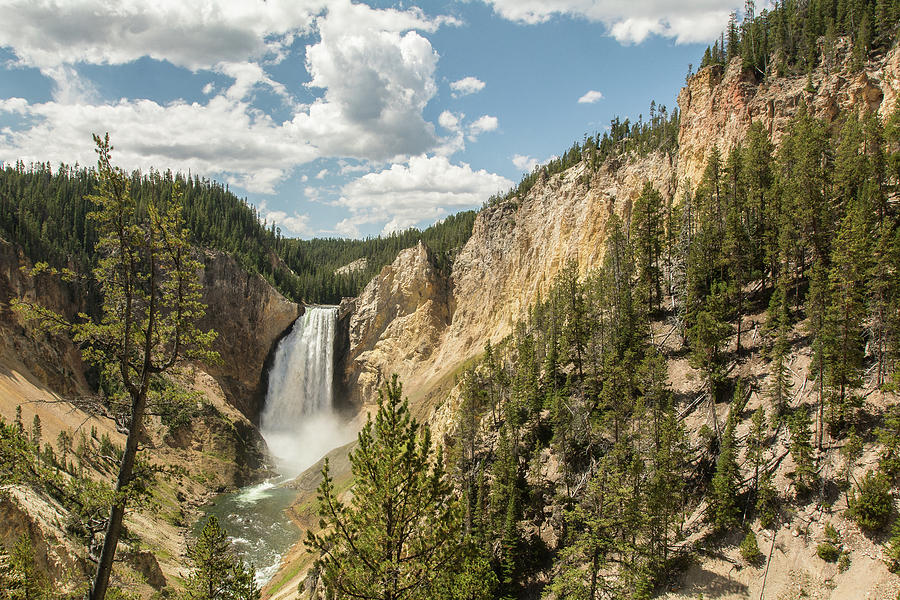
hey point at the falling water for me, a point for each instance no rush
(300, 426)
(298, 421)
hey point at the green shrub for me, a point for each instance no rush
(832, 534)
(872, 505)
(828, 552)
(844, 561)
(750, 549)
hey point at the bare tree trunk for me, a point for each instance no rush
(117, 512)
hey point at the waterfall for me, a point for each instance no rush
(298, 420)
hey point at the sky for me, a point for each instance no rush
(337, 118)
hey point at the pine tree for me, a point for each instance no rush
(400, 531)
(469, 412)
(30, 582)
(707, 336)
(734, 40)
(151, 304)
(666, 488)
(13, 582)
(862, 42)
(624, 328)
(801, 450)
(889, 437)
(803, 174)
(218, 574)
(767, 501)
(871, 504)
(757, 443)
(883, 295)
(736, 244)
(724, 486)
(707, 58)
(36, 431)
(593, 520)
(846, 312)
(646, 237)
(506, 503)
(817, 312)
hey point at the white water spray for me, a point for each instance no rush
(298, 421)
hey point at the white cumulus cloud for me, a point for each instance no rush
(590, 97)
(378, 75)
(373, 67)
(466, 86)
(219, 139)
(630, 22)
(528, 163)
(525, 163)
(449, 121)
(481, 125)
(423, 189)
(295, 224)
(49, 33)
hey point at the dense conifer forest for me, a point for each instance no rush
(45, 211)
(786, 39)
(621, 138)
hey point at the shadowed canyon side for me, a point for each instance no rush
(218, 446)
(250, 316)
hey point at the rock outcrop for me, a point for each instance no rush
(718, 105)
(396, 322)
(26, 513)
(248, 314)
(52, 359)
(412, 321)
(250, 317)
(517, 248)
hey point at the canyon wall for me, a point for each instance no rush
(422, 325)
(250, 316)
(517, 247)
(719, 104)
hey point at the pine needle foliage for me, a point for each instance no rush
(400, 533)
(218, 573)
(148, 278)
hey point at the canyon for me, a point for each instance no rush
(420, 322)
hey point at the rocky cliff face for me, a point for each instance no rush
(718, 105)
(411, 321)
(396, 322)
(248, 314)
(53, 359)
(517, 248)
(250, 317)
(219, 446)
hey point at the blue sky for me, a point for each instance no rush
(337, 118)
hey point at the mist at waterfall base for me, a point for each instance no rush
(300, 426)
